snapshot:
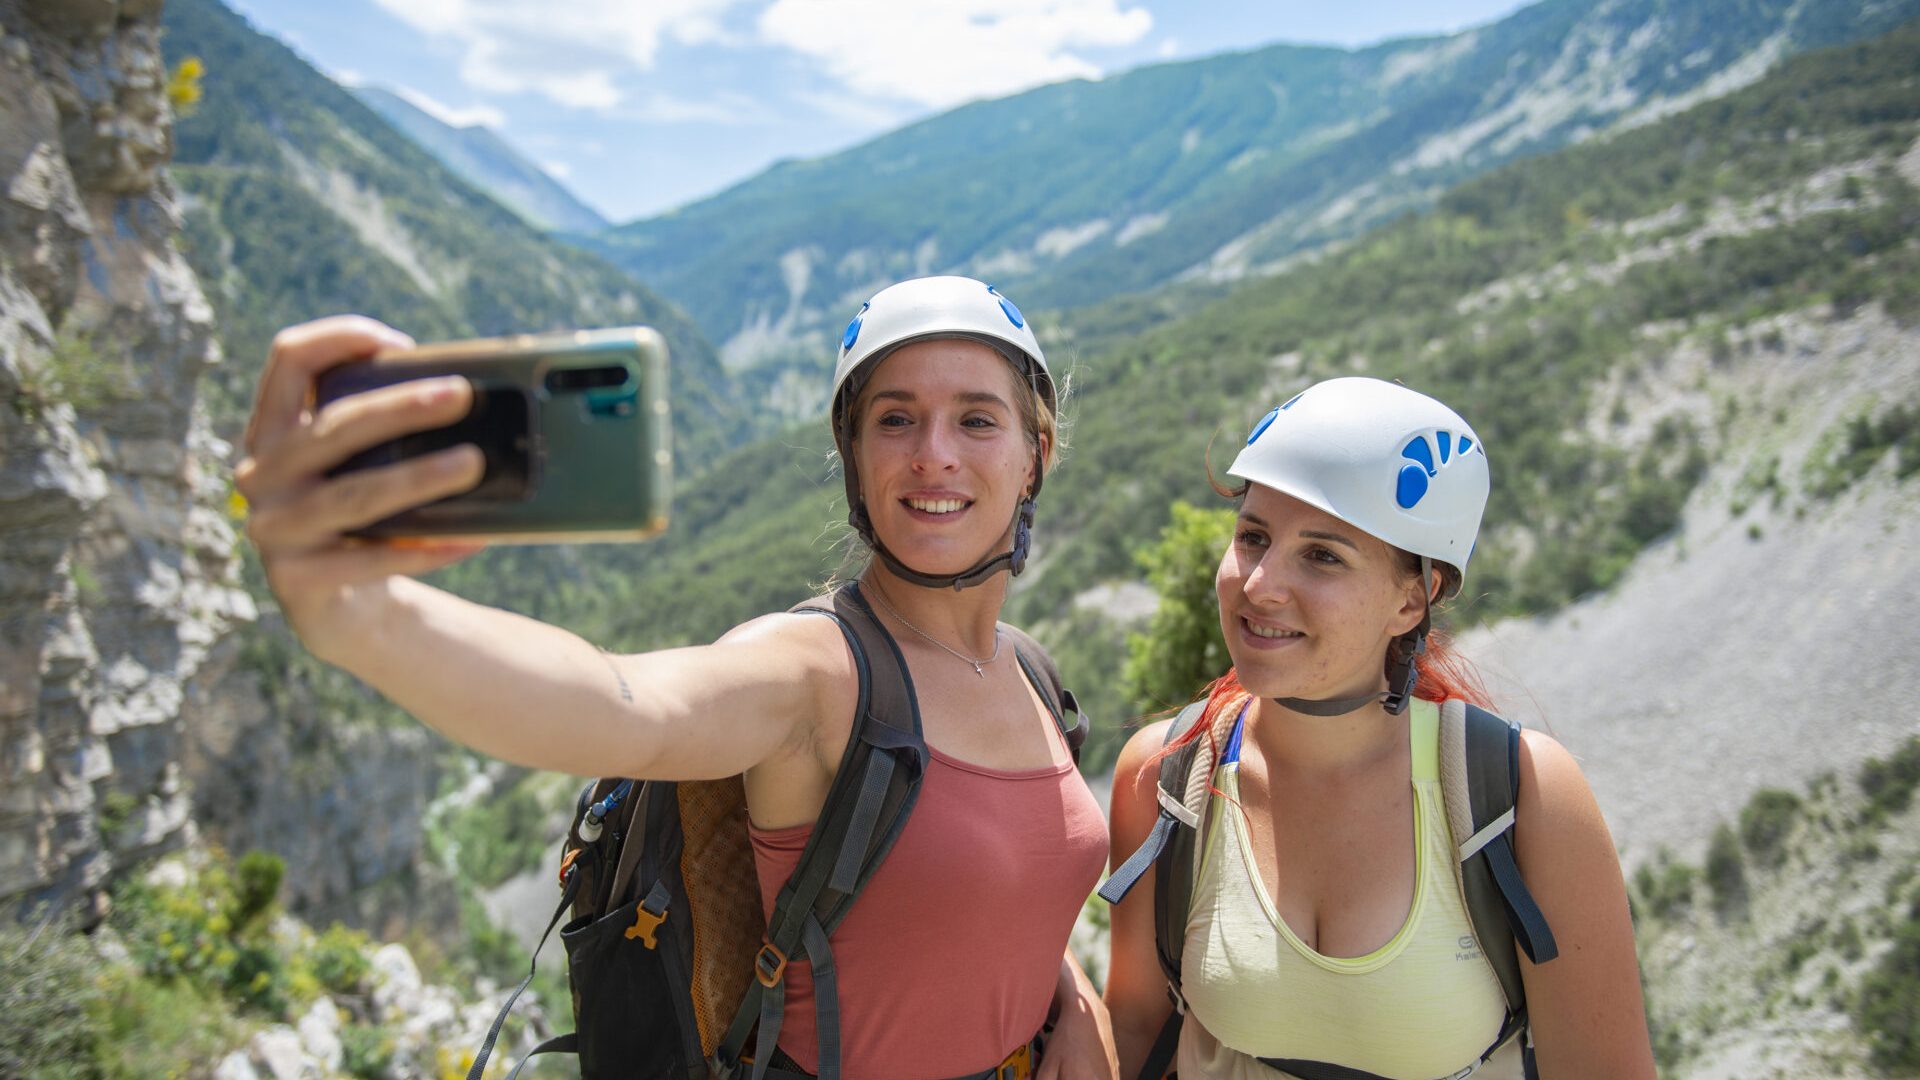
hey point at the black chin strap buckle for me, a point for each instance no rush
(1408, 676)
(1022, 537)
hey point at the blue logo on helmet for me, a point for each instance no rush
(853, 329)
(1265, 422)
(1416, 478)
(1006, 306)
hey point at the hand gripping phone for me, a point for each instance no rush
(574, 428)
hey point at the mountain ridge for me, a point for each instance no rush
(489, 162)
(277, 158)
(1203, 169)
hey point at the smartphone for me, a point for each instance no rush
(574, 428)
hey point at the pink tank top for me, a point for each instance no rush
(948, 959)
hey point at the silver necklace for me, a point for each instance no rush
(979, 665)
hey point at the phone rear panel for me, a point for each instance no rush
(575, 428)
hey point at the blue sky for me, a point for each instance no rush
(642, 105)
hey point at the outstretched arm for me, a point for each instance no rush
(1585, 1005)
(507, 685)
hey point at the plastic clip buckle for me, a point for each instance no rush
(644, 924)
(768, 971)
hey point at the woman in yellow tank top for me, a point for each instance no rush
(1327, 935)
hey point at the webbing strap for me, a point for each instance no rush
(1326, 1070)
(493, 1033)
(773, 1009)
(826, 1000)
(1485, 836)
(1178, 809)
(1128, 874)
(1318, 1070)
(1523, 915)
(860, 826)
(559, 1044)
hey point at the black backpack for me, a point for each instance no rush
(672, 965)
(1479, 782)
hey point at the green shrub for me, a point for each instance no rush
(1761, 478)
(74, 372)
(504, 836)
(164, 1027)
(1765, 822)
(256, 885)
(1887, 1008)
(366, 1052)
(1889, 784)
(258, 977)
(209, 935)
(1726, 872)
(49, 999)
(1665, 885)
(1181, 650)
(339, 959)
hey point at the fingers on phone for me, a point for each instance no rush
(354, 423)
(358, 499)
(301, 352)
(358, 421)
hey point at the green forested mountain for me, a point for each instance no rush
(1210, 169)
(301, 201)
(1535, 298)
(487, 162)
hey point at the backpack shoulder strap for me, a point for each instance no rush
(1176, 770)
(1042, 673)
(1172, 849)
(1480, 783)
(867, 806)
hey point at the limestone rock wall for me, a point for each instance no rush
(118, 573)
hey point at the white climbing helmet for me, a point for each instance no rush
(1382, 458)
(931, 308)
(928, 309)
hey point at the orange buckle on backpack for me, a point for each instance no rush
(566, 864)
(768, 971)
(644, 924)
(1017, 1066)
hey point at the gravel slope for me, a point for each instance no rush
(1748, 651)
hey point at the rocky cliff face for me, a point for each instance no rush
(127, 725)
(117, 566)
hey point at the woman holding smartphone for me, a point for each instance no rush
(943, 411)
(1328, 935)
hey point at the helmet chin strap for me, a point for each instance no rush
(1013, 561)
(1402, 676)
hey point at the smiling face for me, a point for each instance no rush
(941, 452)
(1308, 603)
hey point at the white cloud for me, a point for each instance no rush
(1169, 49)
(727, 109)
(347, 77)
(483, 115)
(860, 112)
(944, 52)
(559, 170)
(569, 53)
